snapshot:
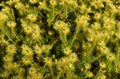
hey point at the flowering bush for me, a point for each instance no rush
(59, 39)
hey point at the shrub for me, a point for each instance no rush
(59, 39)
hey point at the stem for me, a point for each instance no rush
(53, 10)
(13, 32)
(3, 30)
(58, 77)
(51, 72)
(43, 69)
(74, 37)
(66, 12)
(63, 38)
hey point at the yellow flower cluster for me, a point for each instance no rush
(59, 39)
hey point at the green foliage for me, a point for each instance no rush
(59, 39)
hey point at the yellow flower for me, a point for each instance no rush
(26, 61)
(101, 43)
(71, 66)
(101, 77)
(66, 30)
(3, 17)
(6, 9)
(15, 1)
(24, 47)
(104, 50)
(87, 66)
(10, 2)
(113, 9)
(19, 5)
(118, 35)
(111, 57)
(70, 2)
(106, 26)
(62, 2)
(28, 30)
(33, 1)
(89, 74)
(37, 49)
(35, 27)
(42, 5)
(21, 71)
(97, 16)
(35, 35)
(102, 65)
(24, 23)
(51, 32)
(32, 70)
(73, 57)
(46, 48)
(11, 24)
(28, 52)
(106, 13)
(48, 61)
(4, 42)
(62, 26)
(53, 2)
(11, 49)
(5, 74)
(64, 61)
(96, 26)
(83, 8)
(90, 38)
(67, 51)
(82, 21)
(106, 35)
(15, 65)
(59, 25)
(7, 58)
(8, 66)
(97, 4)
(39, 76)
(98, 35)
(32, 17)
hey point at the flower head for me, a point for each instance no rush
(37, 49)
(73, 57)
(102, 65)
(102, 76)
(82, 20)
(59, 25)
(11, 24)
(33, 1)
(32, 17)
(67, 51)
(53, 2)
(3, 17)
(28, 30)
(89, 74)
(11, 49)
(19, 5)
(111, 57)
(87, 66)
(48, 61)
(6, 9)
(26, 61)
(27, 51)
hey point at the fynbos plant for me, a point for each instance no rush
(59, 39)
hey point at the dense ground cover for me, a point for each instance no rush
(60, 39)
